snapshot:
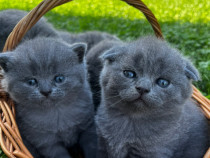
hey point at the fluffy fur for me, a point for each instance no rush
(8, 20)
(91, 38)
(95, 40)
(139, 118)
(46, 78)
(94, 66)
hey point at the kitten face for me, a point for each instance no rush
(44, 71)
(146, 73)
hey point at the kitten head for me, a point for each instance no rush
(146, 73)
(43, 71)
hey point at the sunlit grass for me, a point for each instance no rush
(165, 10)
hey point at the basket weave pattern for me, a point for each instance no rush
(10, 139)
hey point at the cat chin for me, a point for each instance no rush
(42, 101)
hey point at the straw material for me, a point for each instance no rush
(10, 139)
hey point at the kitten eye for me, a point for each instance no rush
(59, 79)
(162, 83)
(32, 82)
(129, 74)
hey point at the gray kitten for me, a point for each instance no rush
(145, 108)
(46, 78)
(8, 20)
(91, 37)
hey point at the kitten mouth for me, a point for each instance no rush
(141, 100)
(45, 99)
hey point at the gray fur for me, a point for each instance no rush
(52, 117)
(95, 40)
(137, 117)
(91, 37)
(8, 20)
(94, 66)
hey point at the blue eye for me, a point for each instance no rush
(129, 74)
(162, 83)
(32, 82)
(59, 79)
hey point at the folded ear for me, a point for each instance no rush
(5, 60)
(191, 72)
(80, 49)
(111, 54)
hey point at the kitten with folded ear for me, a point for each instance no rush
(46, 78)
(145, 108)
(9, 18)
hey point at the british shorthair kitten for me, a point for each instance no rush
(46, 78)
(145, 109)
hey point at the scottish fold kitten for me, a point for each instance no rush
(8, 20)
(91, 38)
(145, 108)
(46, 78)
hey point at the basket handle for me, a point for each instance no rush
(148, 14)
(29, 20)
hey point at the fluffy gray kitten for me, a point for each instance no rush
(46, 78)
(91, 37)
(8, 20)
(145, 108)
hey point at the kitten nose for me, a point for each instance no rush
(45, 93)
(142, 90)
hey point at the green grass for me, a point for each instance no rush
(184, 23)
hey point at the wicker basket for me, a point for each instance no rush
(10, 139)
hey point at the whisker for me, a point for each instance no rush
(116, 102)
(113, 97)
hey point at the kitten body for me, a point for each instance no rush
(46, 78)
(145, 108)
(91, 38)
(9, 19)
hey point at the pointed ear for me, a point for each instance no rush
(80, 49)
(110, 55)
(5, 61)
(191, 72)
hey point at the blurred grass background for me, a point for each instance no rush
(185, 24)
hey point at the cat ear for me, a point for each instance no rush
(80, 49)
(191, 72)
(5, 60)
(110, 55)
